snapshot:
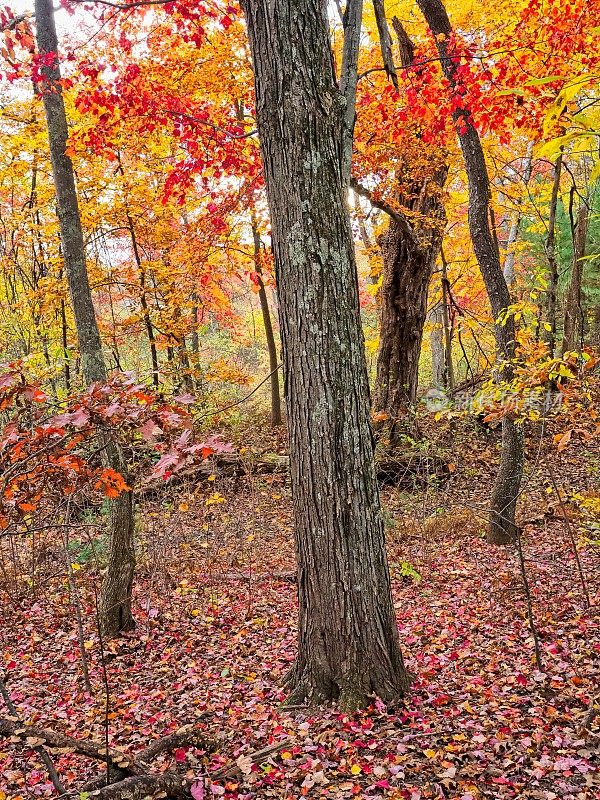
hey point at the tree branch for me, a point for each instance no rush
(39, 749)
(349, 80)
(398, 218)
(385, 41)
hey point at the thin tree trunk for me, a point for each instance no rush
(436, 339)
(65, 346)
(348, 647)
(270, 336)
(143, 298)
(550, 248)
(573, 327)
(502, 528)
(449, 380)
(509, 260)
(194, 337)
(116, 588)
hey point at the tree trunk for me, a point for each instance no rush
(116, 588)
(409, 254)
(348, 647)
(410, 248)
(143, 298)
(438, 366)
(449, 381)
(502, 528)
(270, 336)
(550, 248)
(509, 260)
(573, 327)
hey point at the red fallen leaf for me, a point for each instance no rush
(180, 755)
(11, 665)
(441, 700)
(521, 680)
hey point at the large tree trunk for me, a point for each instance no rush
(116, 589)
(410, 250)
(348, 648)
(502, 529)
(550, 248)
(573, 327)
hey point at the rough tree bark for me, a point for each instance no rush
(115, 603)
(573, 325)
(409, 250)
(550, 248)
(348, 648)
(502, 527)
(269, 334)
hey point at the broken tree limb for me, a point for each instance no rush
(225, 466)
(122, 767)
(189, 736)
(59, 741)
(402, 469)
(257, 757)
(137, 787)
(37, 747)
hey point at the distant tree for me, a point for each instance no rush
(502, 529)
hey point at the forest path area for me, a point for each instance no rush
(216, 620)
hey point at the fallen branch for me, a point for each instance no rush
(225, 466)
(29, 734)
(188, 736)
(399, 469)
(37, 746)
(137, 787)
(257, 757)
(175, 786)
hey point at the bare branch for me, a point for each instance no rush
(349, 79)
(385, 41)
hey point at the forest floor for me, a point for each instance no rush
(216, 621)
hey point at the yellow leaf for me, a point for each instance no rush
(75, 566)
(429, 753)
(285, 754)
(355, 769)
(88, 644)
(214, 499)
(195, 612)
